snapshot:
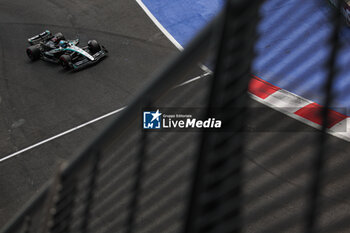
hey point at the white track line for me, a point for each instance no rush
(166, 33)
(60, 135)
(169, 36)
(83, 125)
(194, 79)
(159, 25)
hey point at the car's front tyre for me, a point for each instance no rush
(65, 61)
(33, 52)
(94, 46)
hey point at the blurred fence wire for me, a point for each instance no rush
(240, 180)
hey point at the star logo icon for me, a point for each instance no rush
(156, 115)
(151, 119)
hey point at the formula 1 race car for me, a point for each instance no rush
(344, 7)
(55, 48)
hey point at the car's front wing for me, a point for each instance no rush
(83, 63)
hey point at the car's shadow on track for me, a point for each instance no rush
(62, 70)
(51, 66)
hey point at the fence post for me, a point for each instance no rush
(215, 202)
(320, 155)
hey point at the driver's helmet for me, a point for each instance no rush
(63, 44)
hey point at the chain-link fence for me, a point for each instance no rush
(264, 172)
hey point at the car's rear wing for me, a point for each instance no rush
(40, 37)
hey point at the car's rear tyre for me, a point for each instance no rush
(94, 46)
(59, 36)
(33, 52)
(65, 61)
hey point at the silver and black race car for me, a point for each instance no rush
(55, 48)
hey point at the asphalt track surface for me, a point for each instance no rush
(40, 100)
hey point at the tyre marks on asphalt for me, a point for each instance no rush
(44, 101)
(7, 109)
